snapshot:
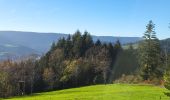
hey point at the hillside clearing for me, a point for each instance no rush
(102, 92)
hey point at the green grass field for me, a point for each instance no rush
(103, 92)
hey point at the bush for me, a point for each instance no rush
(167, 82)
(131, 79)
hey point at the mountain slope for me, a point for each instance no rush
(37, 41)
(42, 41)
(165, 45)
(113, 39)
(15, 43)
(8, 51)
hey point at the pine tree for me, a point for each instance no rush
(149, 53)
(117, 49)
(117, 46)
(77, 44)
(53, 46)
(68, 47)
(87, 42)
(98, 43)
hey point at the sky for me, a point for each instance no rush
(99, 17)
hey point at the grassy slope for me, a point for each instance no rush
(103, 92)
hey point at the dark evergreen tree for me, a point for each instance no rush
(117, 49)
(98, 43)
(53, 46)
(77, 44)
(149, 54)
(117, 45)
(61, 43)
(68, 47)
(87, 42)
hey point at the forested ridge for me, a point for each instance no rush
(71, 62)
(79, 61)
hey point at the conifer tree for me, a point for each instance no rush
(149, 53)
(98, 43)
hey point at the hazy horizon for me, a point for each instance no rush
(66, 33)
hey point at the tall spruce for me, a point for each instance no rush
(77, 44)
(149, 54)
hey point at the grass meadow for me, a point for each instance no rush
(102, 92)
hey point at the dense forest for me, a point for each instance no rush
(79, 61)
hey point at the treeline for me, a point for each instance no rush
(79, 61)
(71, 62)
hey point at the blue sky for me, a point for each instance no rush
(99, 17)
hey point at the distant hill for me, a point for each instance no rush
(37, 41)
(165, 45)
(17, 43)
(113, 39)
(8, 51)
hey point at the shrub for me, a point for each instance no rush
(131, 79)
